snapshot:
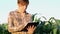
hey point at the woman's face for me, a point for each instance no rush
(22, 7)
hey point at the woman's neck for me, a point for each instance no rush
(21, 11)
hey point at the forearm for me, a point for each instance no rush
(12, 29)
(20, 27)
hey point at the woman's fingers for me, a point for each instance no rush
(31, 27)
(28, 27)
(34, 28)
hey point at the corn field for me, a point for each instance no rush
(52, 26)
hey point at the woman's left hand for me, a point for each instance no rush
(31, 29)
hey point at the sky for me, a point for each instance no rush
(47, 8)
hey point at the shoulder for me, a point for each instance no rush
(12, 12)
(29, 15)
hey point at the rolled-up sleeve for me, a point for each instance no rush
(11, 27)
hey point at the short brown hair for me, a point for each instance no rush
(23, 2)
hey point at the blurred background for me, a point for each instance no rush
(47, 8)
(44, 12)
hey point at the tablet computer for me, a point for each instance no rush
(29, 24)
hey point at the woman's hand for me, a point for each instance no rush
(31, 29)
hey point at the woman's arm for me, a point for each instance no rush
(11, 27)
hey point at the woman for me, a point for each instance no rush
(19, 18)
